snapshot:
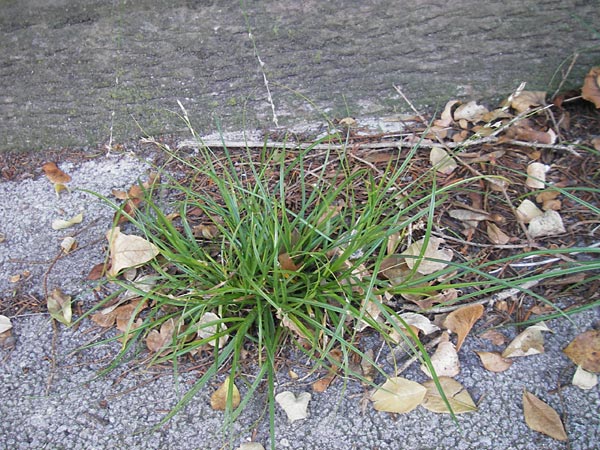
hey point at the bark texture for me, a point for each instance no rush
(76, 73)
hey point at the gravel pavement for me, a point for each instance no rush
(52, 399)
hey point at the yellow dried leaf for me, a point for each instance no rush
(445, 359)
(496, 235)
(462, 320)
(525, 100)
(398, 395)
(59, 306)
(529, 342)
(5, 324)
(156, 341)
(441, 161)
(296, 408)
(128, 250)
(584, 351)
(458, 397)
(216, 326)
(218, 400)
(61, 224)
(591, 86)
(584, 379)
(425, 265)
(494, 362)
(541, 417)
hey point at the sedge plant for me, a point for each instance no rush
(260, 248)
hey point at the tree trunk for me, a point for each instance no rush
(77, 73)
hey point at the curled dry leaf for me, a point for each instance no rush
(584, 351)
(296, 408)
(209, 325)
(128, 250)
(55, 175)
(441, 161)
(67, 244)
(471, 112)
(59, 306)
(458, 397)
(494, 362)
(539, 416)
(218, 400)
(525, 100)
(591, 86)
(398, 395)
(425, 265)
(496, 235)
(523, 131)
(418, 321)
(446, 117)
(527, 210)
(584, 379)
(462, 320)
(61, 224)
(548, 224)
(494, 336)
(250, 446)
(121, 315)
(445, 359)
(5, 324)
(536, 175)
(156, 341)
(529, 342)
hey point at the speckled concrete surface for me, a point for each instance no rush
(50, 399)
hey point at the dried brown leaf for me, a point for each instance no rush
(529, 342)
(584, 351)
(218, 400)
(296, 408)
(525, 100)
(398, 395)
(539, 416)
(458, 397)
(591, 86)
(287, 263)
(444, 360)
(462, 320)
(494, 336)
(54, 174)
(128, 251)
(59, 306)
(494, 362)
(156, 341)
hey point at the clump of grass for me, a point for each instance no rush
(272, 244)
(258, 246)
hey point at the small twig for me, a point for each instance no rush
(52, 358)
(499, 296)
(566, 75)
(413, 358)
